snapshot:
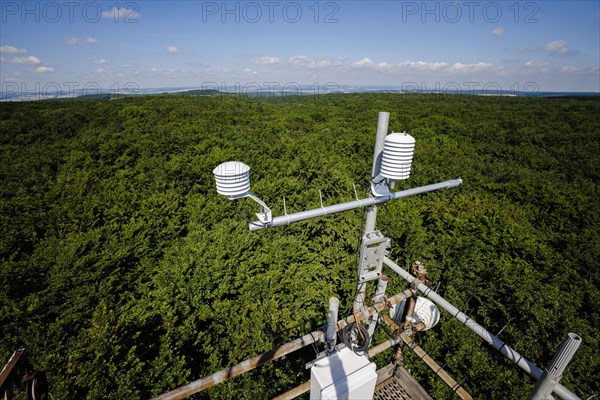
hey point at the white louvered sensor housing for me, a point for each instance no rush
(233, 178)
(397, 156)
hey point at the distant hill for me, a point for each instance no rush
(270, 92)
(199, 92)
(102, 96)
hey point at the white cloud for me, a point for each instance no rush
(572, 69)
(425, 66)
(73, 41)
(171, 49)
(248, 71)
(298, 60)
(469, 68)
(121, 14)
(535, 64)
(12, 50)
(305, 62)
(579, 70)
(99, 70)
(100, 62)
(23, 60)
(367, 63)
(42, 69)
(557, 47)
(265, 60)
(357, 69)
(154, 69)
(127, 66)
(498, 31)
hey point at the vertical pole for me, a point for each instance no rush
(551, 375)
(359, 302)
(7, 375)
(371, 219)
(379, 293)
(382, 128)
(398, 355)
(381, 287)
(564, 354)
(332, 317)
(378, 186)
(409, 309)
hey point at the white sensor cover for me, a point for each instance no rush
(233, 178)
(426, 312)
(398, 151)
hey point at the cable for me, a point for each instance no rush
(356, 330)
(359, 241)
(350, 310)
(349, 331)
(354, 313)
(315, 347)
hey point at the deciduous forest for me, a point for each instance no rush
(125, 274)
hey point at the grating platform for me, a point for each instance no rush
(395, 383)
(392, 390)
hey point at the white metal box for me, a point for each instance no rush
(343, 375)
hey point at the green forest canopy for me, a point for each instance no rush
(125, 275)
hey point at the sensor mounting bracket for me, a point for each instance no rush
(373, 249)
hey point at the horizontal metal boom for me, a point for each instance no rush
(491, 339)
(351, 205)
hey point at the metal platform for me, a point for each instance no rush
(395, 383)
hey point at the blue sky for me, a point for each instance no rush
(496, 45)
